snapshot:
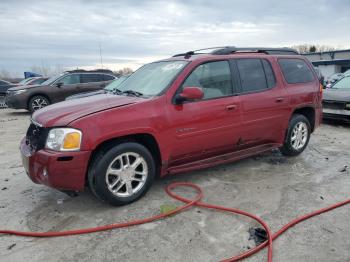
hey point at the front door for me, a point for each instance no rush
(210, 126)
(65, 86)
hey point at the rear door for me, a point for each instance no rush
(209, 126)
(92, 82)
(265, 105)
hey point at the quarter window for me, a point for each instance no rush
(252, 74)
(213, 77)
(295, 71)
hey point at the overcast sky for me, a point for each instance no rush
(131, 33)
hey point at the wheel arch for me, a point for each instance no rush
(37, 94)
(145, 139)
(309, 113)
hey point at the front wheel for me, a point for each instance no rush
(37, 102)
(123, 174)
(298, 136)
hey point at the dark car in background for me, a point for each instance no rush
(57, 88)
(111, 87)
(336, 101)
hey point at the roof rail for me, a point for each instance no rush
(226, 50)
(267, 50)
(90, 71)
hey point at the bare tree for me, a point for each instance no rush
(46, 70)
(5, 74)
(124, 71)
(306, 48)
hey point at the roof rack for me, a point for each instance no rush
(226, 50)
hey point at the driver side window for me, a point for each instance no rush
(70, 79)
(214, 78)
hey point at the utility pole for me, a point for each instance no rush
(101, 56)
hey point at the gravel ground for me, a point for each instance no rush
(274, 187)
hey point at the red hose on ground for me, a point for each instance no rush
(188, 203)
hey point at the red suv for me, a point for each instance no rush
(191, 111)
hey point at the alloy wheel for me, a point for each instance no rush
(39, 103)
(126, 174)
(299, 135)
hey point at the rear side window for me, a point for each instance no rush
(90, 78)
(252, 74)
(295, 70)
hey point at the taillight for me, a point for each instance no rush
(321, 88)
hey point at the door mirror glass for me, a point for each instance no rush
(189, 94)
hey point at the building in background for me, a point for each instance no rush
(330, 62)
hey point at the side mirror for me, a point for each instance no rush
(59, 84)
(188, 94)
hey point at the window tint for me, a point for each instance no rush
(251, 72)
(214, 78)
(89, 78)
(70, 79)
(270, 76)
(295, 71)
(108, 78)
(3, 83)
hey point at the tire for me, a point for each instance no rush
(113, 180)
(297, 137)
(37, 102)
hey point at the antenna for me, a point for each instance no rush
(101, 56)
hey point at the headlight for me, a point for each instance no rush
(347, 106)
(17, 92)
(64, 139)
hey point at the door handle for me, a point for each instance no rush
(231, 107)
(279, 99)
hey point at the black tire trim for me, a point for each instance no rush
(287, 148)
(96, 174)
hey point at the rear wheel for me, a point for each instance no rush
(123, 174)
(298, 136)
(38, 102)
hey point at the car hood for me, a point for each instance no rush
(63, 113)
(337, 95)
(21, 87)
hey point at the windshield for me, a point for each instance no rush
(343, 83)
(153, 78)
(114, 84)
(51, 79)
(25, 80)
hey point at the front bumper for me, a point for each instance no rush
(59, 170)
(12, 101)
(336, 114)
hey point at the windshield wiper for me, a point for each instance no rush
(116, 91)
(132, 92)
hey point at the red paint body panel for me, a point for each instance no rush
(62, 175)
(189, 136)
